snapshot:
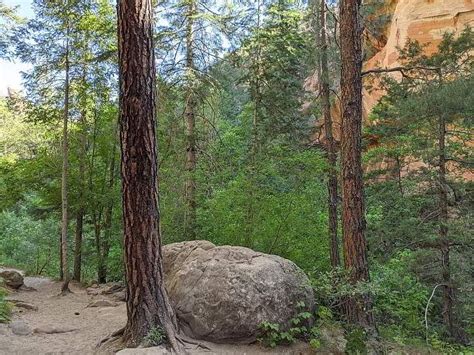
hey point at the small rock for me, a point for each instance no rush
(76, 313)
(102, 303)
(120, 296)
(19, 327)
(22, 304)
(27, 288)
(94, 291)
(52, 329)
(113, 289)
(155, 350)
(12, 278)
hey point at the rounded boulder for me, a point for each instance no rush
(224, 293)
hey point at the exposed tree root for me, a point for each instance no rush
(65, 290)
(183, 339)
(115, 342)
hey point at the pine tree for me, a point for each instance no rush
(425, 117)
(148, 305)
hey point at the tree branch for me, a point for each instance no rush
(399, 69)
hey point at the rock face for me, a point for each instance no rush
(12, 278)
(223, 294)
(424, 21)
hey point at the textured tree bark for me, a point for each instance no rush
(358, 309)
(64, 177)
(81, 210)
(148, 305)
(190, 117)
(331, 146)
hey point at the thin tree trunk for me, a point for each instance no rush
(190, 117)
(448, 289)
(148, 305)
(97, 222)
(255, 84)
(399, 174)
(81, 210)
(64, 207)
(61, 269)
(78, 245)
(358, 309)
(105, 242)
(331, 146)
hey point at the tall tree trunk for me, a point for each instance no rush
(64, 200)
(190, 117)
(358, 309)
(331, 146)
(148, 305)
(81, 209)
(448, 289)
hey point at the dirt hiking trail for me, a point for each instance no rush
(76, 328)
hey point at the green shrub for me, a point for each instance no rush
(272, 335)
(356, 339)
(400, 299)
(156, 336)
(5, 308)
(29, 243)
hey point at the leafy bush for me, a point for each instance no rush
(356, 341)
(400, 299)
(28, 243)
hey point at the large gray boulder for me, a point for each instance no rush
(223, 294)
(12, 278)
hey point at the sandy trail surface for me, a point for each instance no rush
(60, 313)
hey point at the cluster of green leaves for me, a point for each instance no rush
(29, 242)
(156, 336)
(273, 334)
(275, 73)
(400, 298)
(324, 319)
